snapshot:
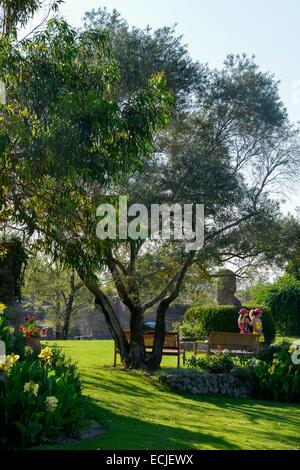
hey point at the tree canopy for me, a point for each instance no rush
(86, 121)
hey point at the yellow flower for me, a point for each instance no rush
(9, 329)
(271, 370)
(6, 362)
(31, 387)
(46, 355)
(28, 351)
(12, 359)
(2, 362)
(2, 308)
(51, 404)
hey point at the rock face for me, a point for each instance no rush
(200, 383)
(226, 289)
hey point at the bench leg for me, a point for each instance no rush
(184, 357)
(178, 360)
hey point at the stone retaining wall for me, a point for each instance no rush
(200, 383)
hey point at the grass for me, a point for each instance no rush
(138, 415)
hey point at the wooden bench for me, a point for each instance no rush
(236, 343)
(172, 345)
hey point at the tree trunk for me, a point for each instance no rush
(137, 354)
(69, 306)
(154, 359)
(111, 318)
(133, 355)
(129, 294)
(57, 335)
(67, 318)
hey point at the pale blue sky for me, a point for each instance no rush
(269, 29)
(213, 28)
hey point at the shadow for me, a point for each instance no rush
(128, 433)
(266, 419)
(137, 414)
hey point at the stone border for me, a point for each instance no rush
(201, 383)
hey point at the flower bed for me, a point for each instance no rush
(40, 394)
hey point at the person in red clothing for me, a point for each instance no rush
(244, 322)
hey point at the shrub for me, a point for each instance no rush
(283, 299)
(202, 320)
(214, 363)
(40, 396)
(267, 354)
(280, 379)
(12, 338)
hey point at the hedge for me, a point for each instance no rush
(202, 320)
(284, 301)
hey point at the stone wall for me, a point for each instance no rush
(93, 324)
(200, 383)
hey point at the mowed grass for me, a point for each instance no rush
(136, 414)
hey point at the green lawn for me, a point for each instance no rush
(137, 415)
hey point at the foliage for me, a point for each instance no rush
(69, 137)
(14, 249)
(206, 319)
(62, 109)
(17, 13)
(57, 293)
(283, 299)
(81, 141)
(267, 354)
(212, 363)
(203, 165)
(39, 399)
(141, 53)
(202, 320)
(12, 338)
(30, 328)
(279, 380)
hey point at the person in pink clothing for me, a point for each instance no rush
(244, 323)
(256, 323)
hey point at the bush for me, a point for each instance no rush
(267, 354)
(214, 363)
(40, 396)
(201, 321)
(279, 380)
(283, 299)
(12, 338)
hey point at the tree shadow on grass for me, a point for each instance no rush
(128, 433)
(262, 417)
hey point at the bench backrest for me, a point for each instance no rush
(171, 339)
(233, 341)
